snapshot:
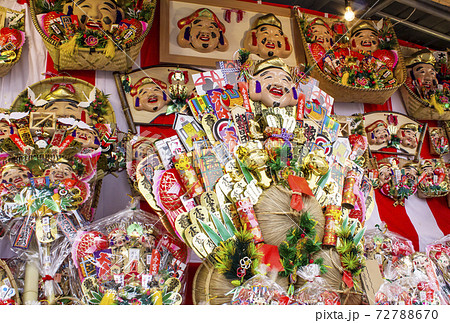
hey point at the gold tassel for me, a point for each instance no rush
(344, 79)
(157, 298)
(108, 298)
(110, 50)
(437, 105)
(70, 48)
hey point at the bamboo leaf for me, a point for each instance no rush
(345, 222)
(380, 24)
(221, 228)
(229, 223)
(166, 297)
(359, 236)
(236, 283)
(52, 205)
(210, 232)
(19, 199)
(34, 207)
(353, 228)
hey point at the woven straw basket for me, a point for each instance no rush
(6, 67)
(345, 93)
(93, 59)
(10, 276)
(420, 109)
(43, 87)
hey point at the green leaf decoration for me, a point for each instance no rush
(221, 228)
(65, 203)
(52, 205)
(166, 297)
(211, 234)
(19, 198)
(97, 295)
(94, 301)
(236, 283)
(228, 222)
(97, 298)
(34, 207)
(345, 222)
(353, 228)
(229, 254)
(359, 236)
(300, 244)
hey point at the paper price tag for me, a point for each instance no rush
(119, 279)
(133, 254)
(146, 278)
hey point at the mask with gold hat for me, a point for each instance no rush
(364, 38)
(272, 84)
(421, 70)
(266, 38)
(63, 100)
(407, 134)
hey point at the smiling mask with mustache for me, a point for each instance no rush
(272, 84)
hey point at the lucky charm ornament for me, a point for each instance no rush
(254, 158)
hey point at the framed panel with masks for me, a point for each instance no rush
(201, 32)
(394, 133)
(149, 92)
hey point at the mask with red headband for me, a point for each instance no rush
(202, 31)
(149, 95)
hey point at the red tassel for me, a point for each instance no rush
(288, 46)
(47, 277)
(239, 16)
(254, 40)
(227, 15)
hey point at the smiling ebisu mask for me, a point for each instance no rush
(95, 14)
(272, 84)
(202, 31)
(267, 39)
(149, 94)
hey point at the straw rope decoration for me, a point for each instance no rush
(274, 226)
(210, 286)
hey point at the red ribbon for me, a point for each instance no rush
(239, 15)
(46, 278)
(67, 85)
(298, 185)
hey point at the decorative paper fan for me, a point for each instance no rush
(170, 190)
(88, 243)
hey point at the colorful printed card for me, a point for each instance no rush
(209, 80)
(323, 98)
